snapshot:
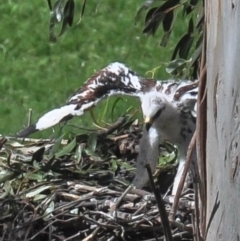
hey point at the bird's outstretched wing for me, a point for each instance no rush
(184, 92)
(115, 79)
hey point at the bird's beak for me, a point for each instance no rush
(148, 123)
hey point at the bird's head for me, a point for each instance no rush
(153, 107)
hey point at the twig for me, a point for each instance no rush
(161, 207)
(34, 140)
(123, 195)
(117, 204)
(2, 142)
(183, 177)
(113, 127)
(104, 132)
(73, 236)
(116, 138)
(92, 235)
(201, 145)
(29, 117)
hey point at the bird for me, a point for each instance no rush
(168, 108)
(166, 118)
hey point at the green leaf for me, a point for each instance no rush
(90, 152)
(104, 112)
(114, 105)
(34, 176)
(167, 158)
(7, 176)
(83, 8)
(61, 12)
(195, 56)
(68, 15)
(78, 153)
(146, 4)
(126, 165)
(165, 39)
(92, 141)
(179, 45)
(185, 48)
(167, 21)
(7, 188)
(56, 146)
(114, 165)
(67, 149)
(190, 26)
(175, 66)
(93, 154)
(153, 24)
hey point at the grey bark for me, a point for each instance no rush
(223, 120)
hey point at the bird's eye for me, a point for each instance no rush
(158, 113)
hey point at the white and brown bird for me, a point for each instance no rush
(168, 107)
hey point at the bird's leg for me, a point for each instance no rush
(149, 153)
(188, 180)
(178, 176)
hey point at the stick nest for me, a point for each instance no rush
(80, 189)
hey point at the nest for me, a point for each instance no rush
(80, 189)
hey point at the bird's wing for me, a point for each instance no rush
(187, 94)
(115, 79)
(184, 92)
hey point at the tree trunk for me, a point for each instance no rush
(223, 120)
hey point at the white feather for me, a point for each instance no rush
(153, 137)
(55, 116)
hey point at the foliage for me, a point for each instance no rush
(63, 12)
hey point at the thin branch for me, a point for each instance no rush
(161, 206)
(183, 177)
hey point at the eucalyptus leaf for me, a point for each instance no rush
(68, 15)
(67, 149)
(38, 155)
(61, 12)
(175, 65)
(38, 190)
(126, 165)
(114, 165)
(165, 39)
(48, 211)
(39, 197)
(92, 141)
(153, 24)
(83, 8)
(195, 56)
(57, 11)
(8, 189)
(35, 176)
(104, 112)
(56, 146)
(7, 176)
(114, 105)
(92, 154)
(78, 153)
(167, 21)
(167, 158)
(146, 4)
